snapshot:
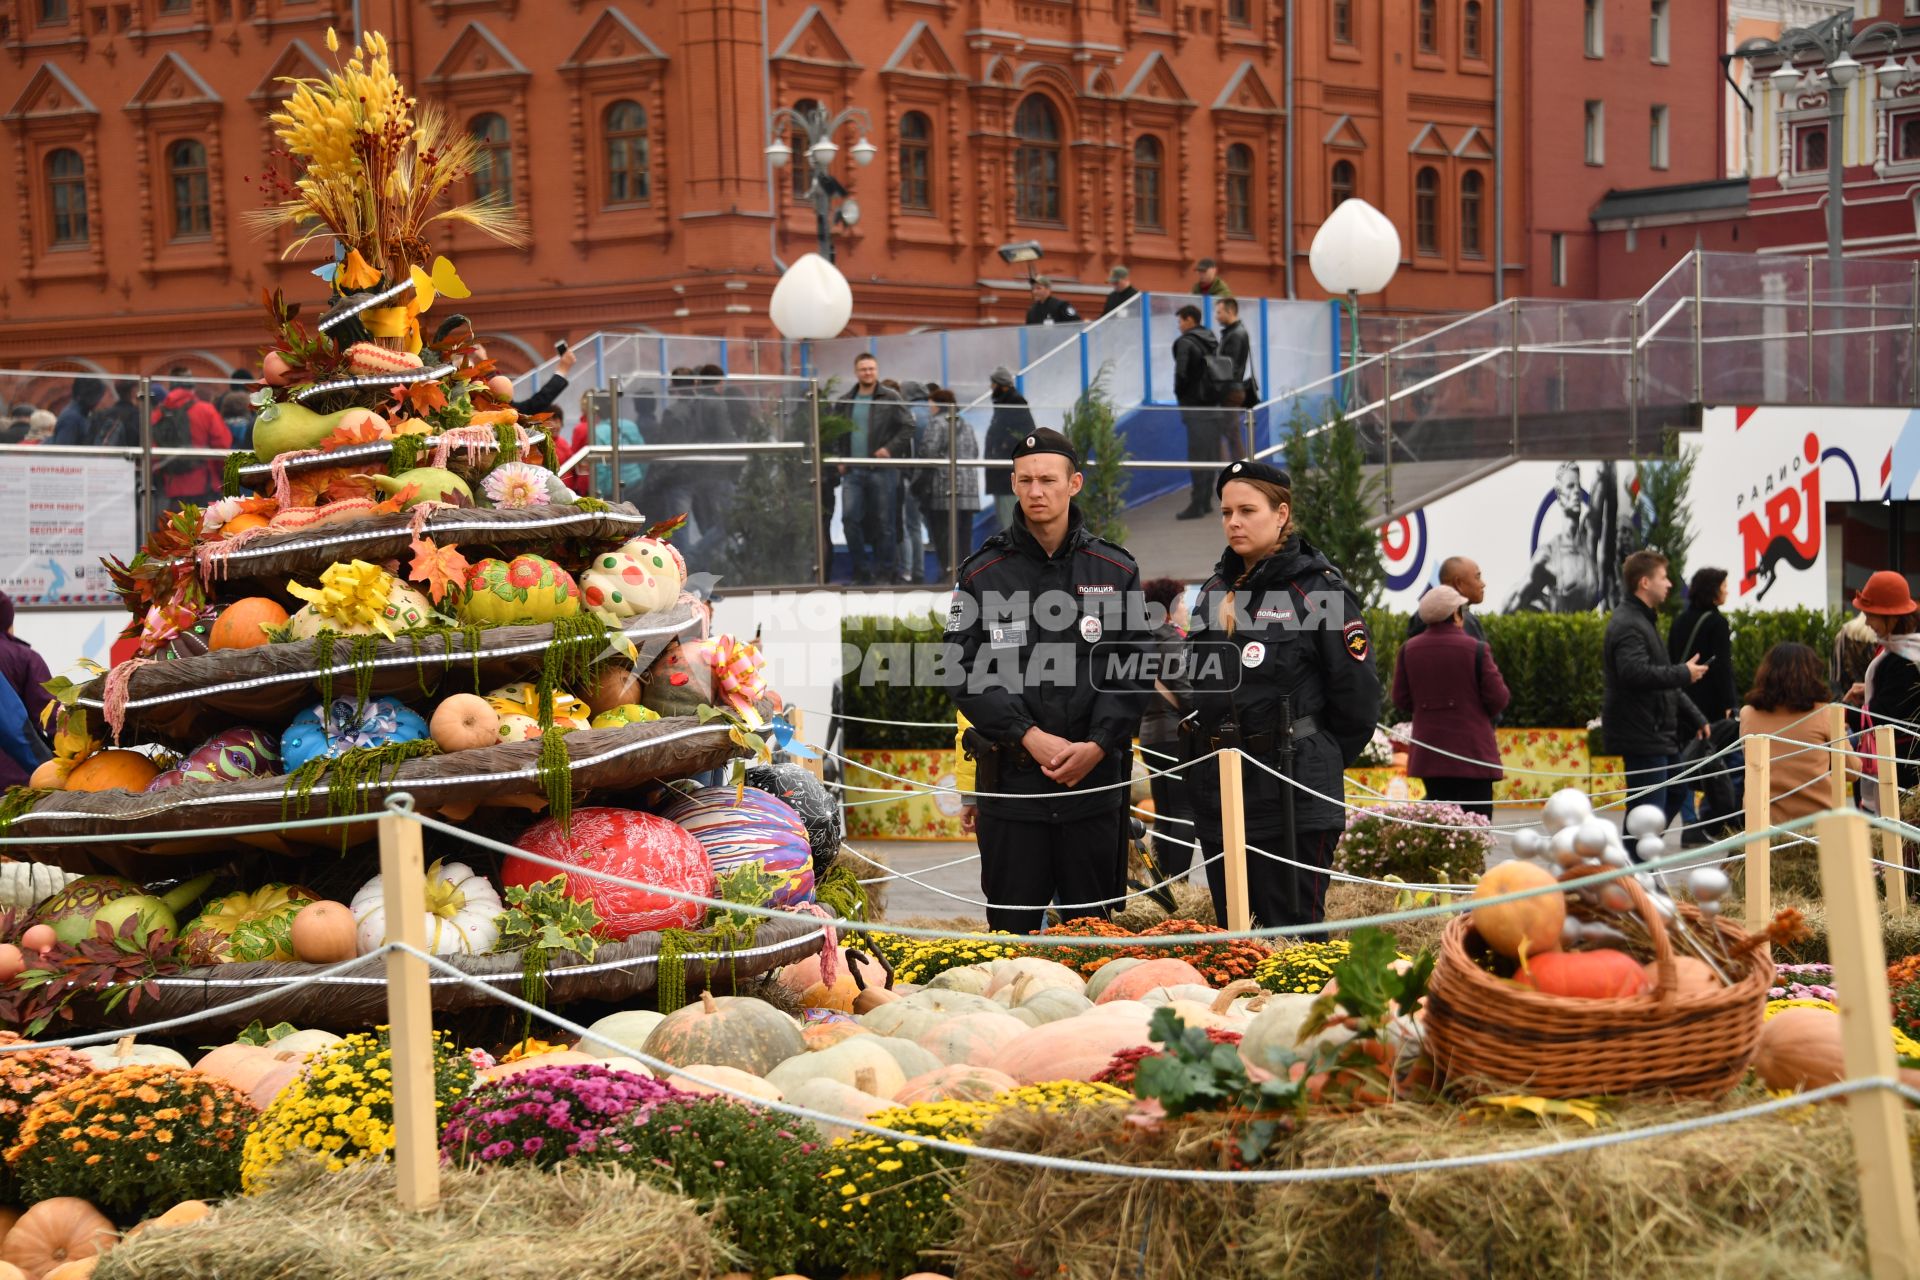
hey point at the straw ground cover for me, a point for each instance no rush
(520, 1223)
(1772, 1197)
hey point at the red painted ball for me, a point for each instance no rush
(635, 846)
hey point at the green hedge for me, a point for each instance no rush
(897, 696)
(1552, 661)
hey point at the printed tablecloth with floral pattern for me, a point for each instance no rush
(920, 816)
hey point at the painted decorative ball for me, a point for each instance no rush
(234, 755)
(680, 679)
(525, 589)
(334, 728)
(407, 609)
(642, 575)
(519, 707)
(634, 846)
(804, 794)
(754, 828)
(622, 716)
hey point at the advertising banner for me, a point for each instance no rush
(58, 517)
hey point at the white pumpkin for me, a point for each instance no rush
(851, 1061)
(462, 908)
(303, 1044)
(642, 575)
(1276, 1031)
(733, 1081)
(973, 979)
(972, 1039)
(913, 1016)
(1038, 975)
(128, 1052)
(1052, 1004)
(1107, 973)
(628, 1028)
(836, 1099)
(913, 1060)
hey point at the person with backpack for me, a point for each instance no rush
(1200, 379)
(71, 425)
(117, 425)
(1243, 387)
(184, 421)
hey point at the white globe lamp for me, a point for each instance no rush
(1356, 250)
(812, 301)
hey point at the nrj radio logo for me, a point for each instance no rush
(1780, 516)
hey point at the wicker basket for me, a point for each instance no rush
(1487, 1033)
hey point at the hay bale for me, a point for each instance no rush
(1773, 1197)
(506, 1224)
(1349, 901)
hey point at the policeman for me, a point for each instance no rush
(1034, 610)
(1291, 684)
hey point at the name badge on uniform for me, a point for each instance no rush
(1090, 629)
(1011, 636)
(1271, 613)
(1253, 654)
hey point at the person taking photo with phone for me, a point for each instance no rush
(1643, 713)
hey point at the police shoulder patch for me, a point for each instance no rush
(1359, 643)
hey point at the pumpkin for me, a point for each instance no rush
(1274, 1034)
(848, 1062)
(242, 624)
(613, 685)
(839, 997)
(1076, 1049)
(186, 1213)
(406, 610)
(298, 1046)
(463, 910)
(1051, 1004)
(1144, 977)
(269, 1085)
(1531, 922)
(12, 962)
(526, 589)
(244, 521)
(620, 584)
(55, 1232)
(623, 716)
(973, 979)
(824, 1035)
(913, 1060)
(1800, 1049)
(8, 1216)
(246, 927)
(1692, 977)
(873, 997)
(733, 1082)
(333, 728)
(1033, 975)
(628, 1029)
(972, 1039)
(7, 1270)
(639, 847)
(837, 1099)
(126, 1052)
(51, 775)
(113, 770)
(232, 755)
(960, 1083)
(915, 1015)
(730, 1031)
(1605, 974)
(518, 707)
(240, 1065)
(463, 722)
(805, 972)
(323, 933)
(77, 1269)
(1107, 973)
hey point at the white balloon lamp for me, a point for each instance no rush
(1356, 250)
(812, 300)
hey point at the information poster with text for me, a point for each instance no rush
(58, 517)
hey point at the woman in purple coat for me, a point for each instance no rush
(1448, 679)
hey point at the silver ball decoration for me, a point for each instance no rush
(1708, 885)
(1651, 847)
(1593, 837)
(1529, 842)
(1615, 856)
(1568, 807)
(1572, 932)
(1646, 820)
(1565, 849)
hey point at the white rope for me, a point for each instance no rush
(893, 792)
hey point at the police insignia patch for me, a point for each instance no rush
(1357, 642)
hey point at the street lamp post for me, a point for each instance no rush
(1356, 251)
(823, 188)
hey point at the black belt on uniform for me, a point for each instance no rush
(1261, 744)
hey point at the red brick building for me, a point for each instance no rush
(631, 136)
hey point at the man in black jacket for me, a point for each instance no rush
(870, 496)
(1122, 293)
(542, 400)
(1235, 345)
(1033, 611)
(1195, 391)
(1046, 308)
(1643, 712)
(1011, 423)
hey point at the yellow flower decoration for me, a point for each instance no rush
(352, 594)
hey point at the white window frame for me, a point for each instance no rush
(1661, 17)
(1659, 136)
(1596, 131)
(1595, 28)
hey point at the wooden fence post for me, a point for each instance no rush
(1233, 841)
(1879, 1126)
(1891, 843)
(1759, 846)
(416, 1136)
(1839, 747)
(815, 764)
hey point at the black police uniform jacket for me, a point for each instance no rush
(1014, 663)
(1299, 634)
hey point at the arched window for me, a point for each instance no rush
(629, 177)
(799, 166)
(1426, 211)
(67, 195)
(1036, 161)
(1429, 26)
(1148, 209)
(916, 162)
(1473, 199)
(187, 175)
(1341, 183)
(1239, 190)
(493, 161)
(1471, 32)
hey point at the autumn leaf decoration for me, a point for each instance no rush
(421, 398)
(370, 429)
(440, 569)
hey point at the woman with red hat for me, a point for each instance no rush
(1893, 678)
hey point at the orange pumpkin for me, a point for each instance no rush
(1800, 1049)
(78, 1269)
(55, 1232)
(244, 521)
(1585, 975)
(238, 626)
(1535, 922)
(8, 1216)
(10, 1272)
(51, 775)
(323, 933)
(1141, 978)
(240, 1065)
(114, 770)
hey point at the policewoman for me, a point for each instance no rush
(1282, 669)
(1034, 610)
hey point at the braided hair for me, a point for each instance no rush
(1277, 495)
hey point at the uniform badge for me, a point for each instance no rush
(1253, 654)
(1357, 642)
(1090, 628)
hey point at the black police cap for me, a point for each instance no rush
(1046, 440)
(1251, 470)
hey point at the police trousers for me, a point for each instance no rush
(1026, 865)
(1279, 894)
